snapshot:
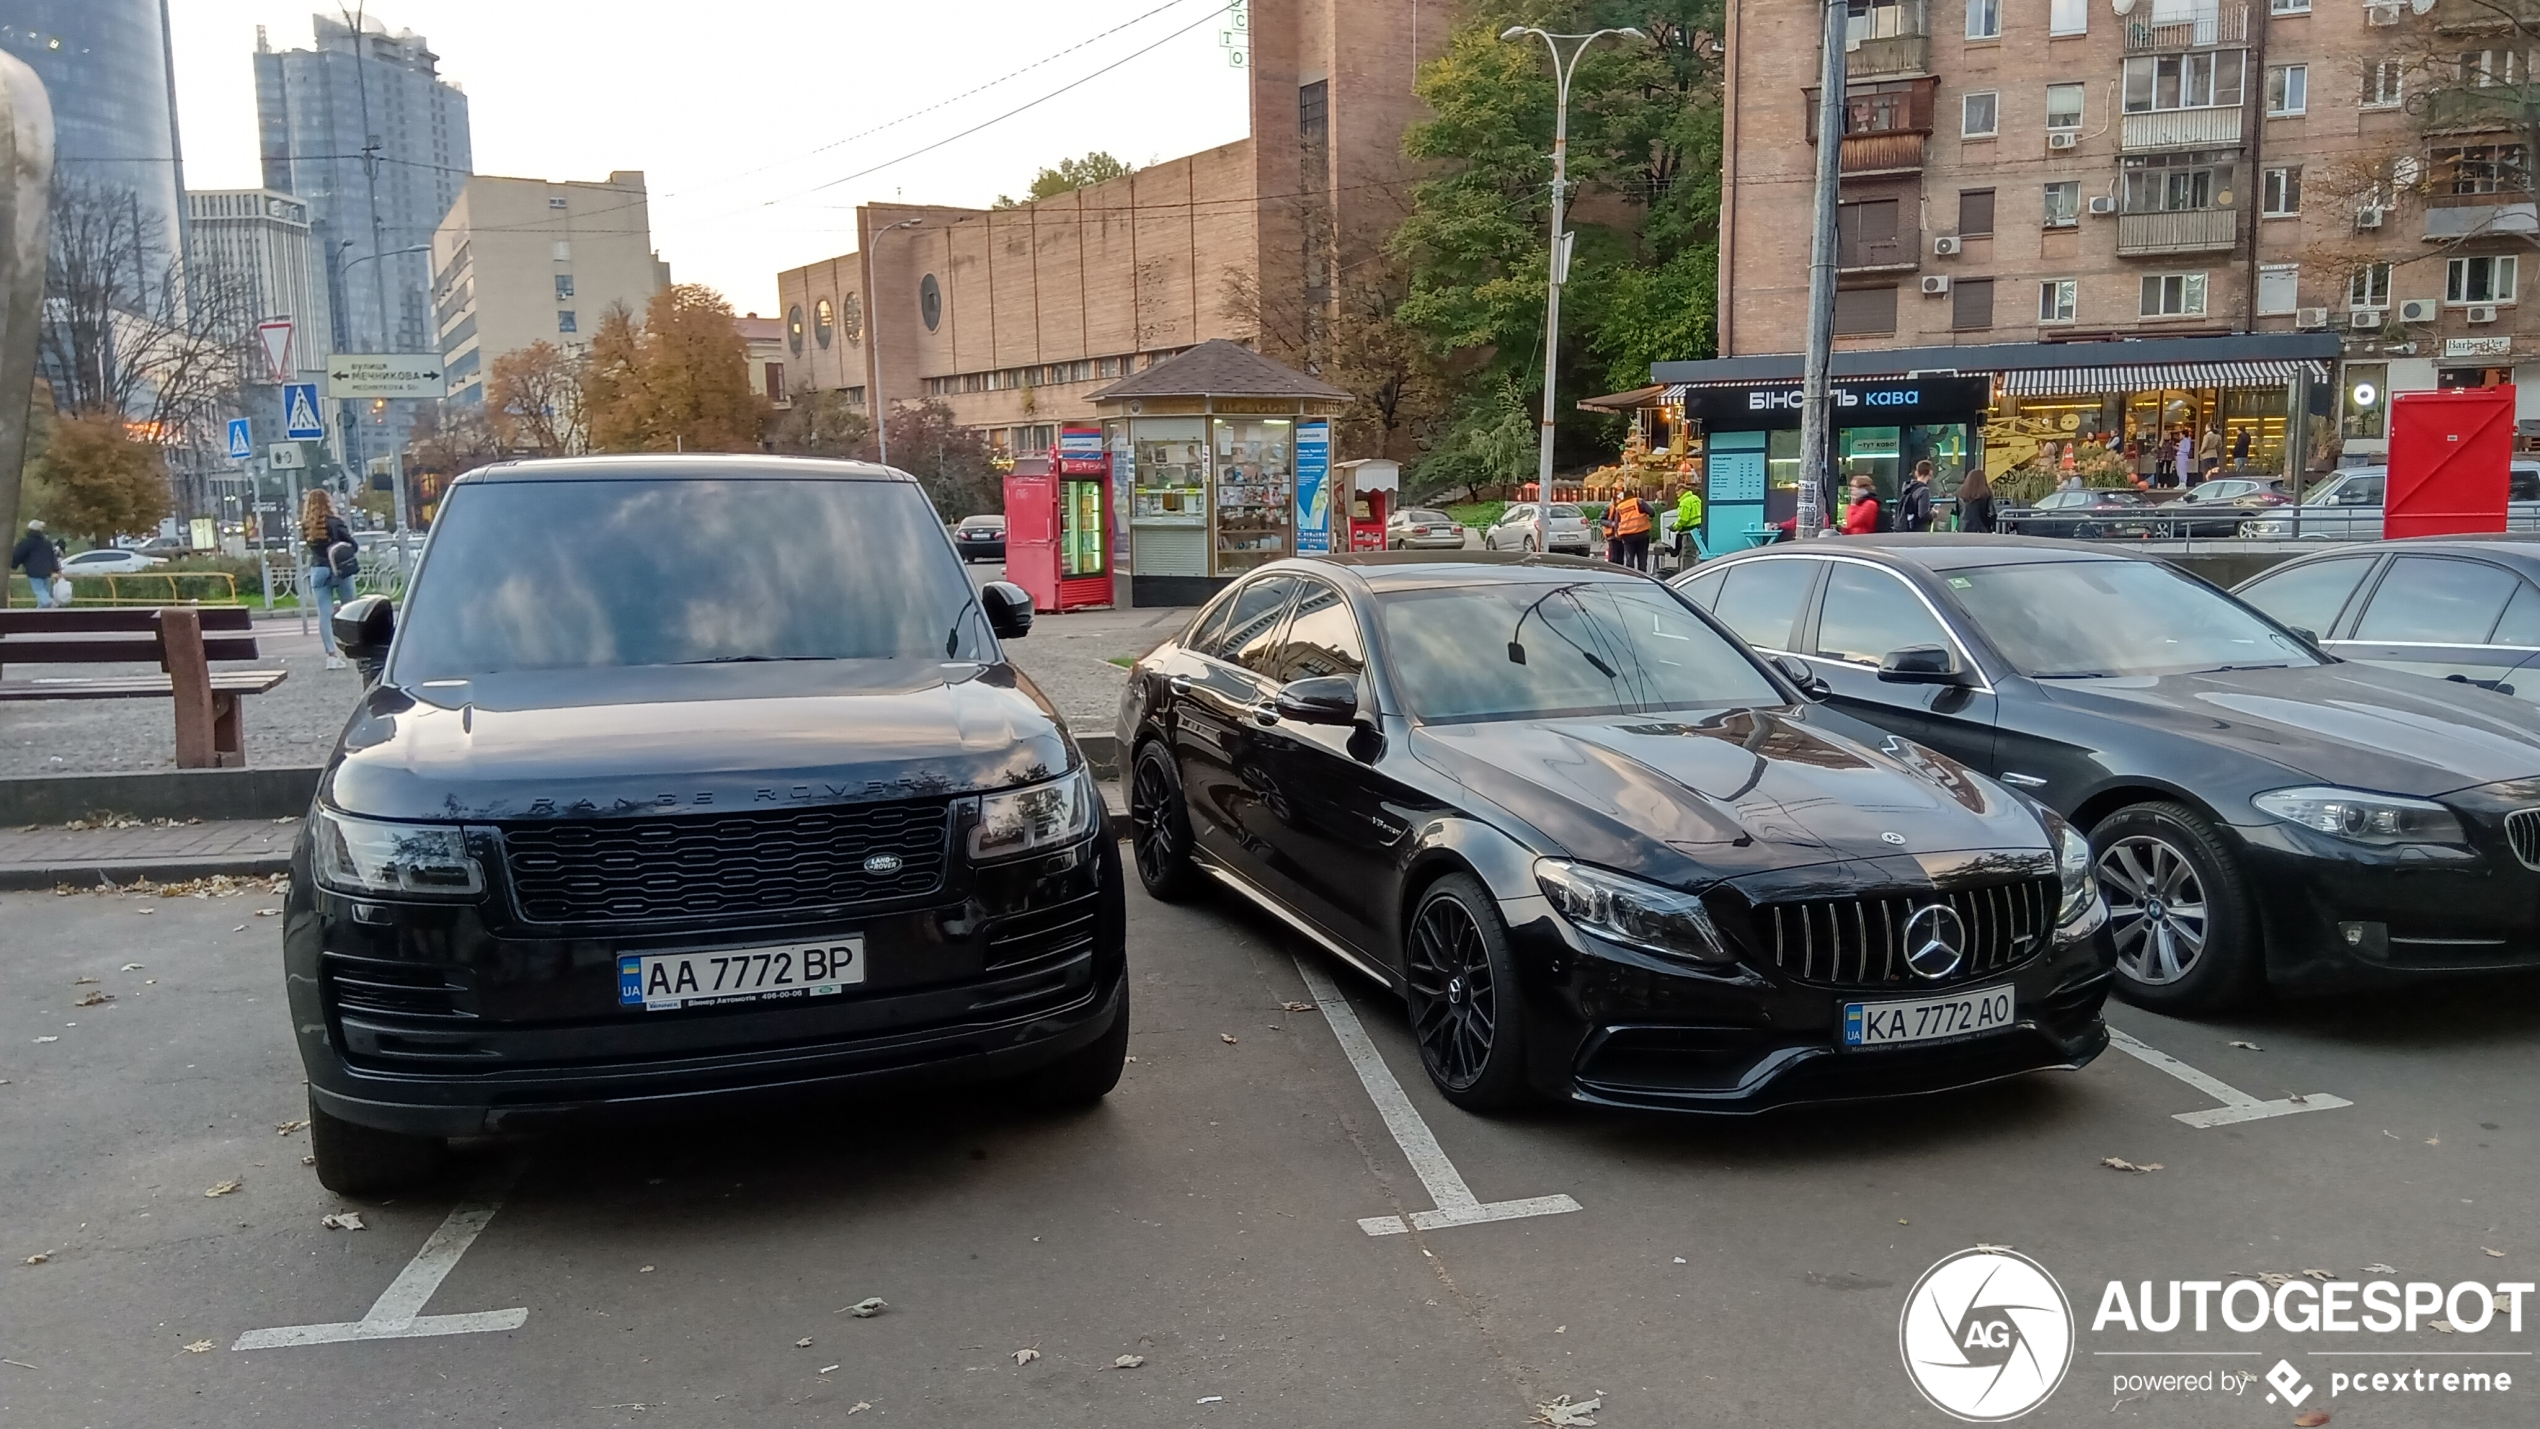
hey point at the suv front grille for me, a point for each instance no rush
(1860, 942)
(2522, 826)
(776, 862)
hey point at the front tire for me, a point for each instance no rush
(1461, 986)
(355, 1160)
(1088, 1074)
(2179, 911)
(1160, 827)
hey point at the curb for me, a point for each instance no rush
(266, 792)
(23, 876)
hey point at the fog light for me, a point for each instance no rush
(2372, 940)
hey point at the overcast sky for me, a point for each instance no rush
(745, 118)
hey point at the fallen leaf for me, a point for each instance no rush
(2498, 1254)
(2249, 1046)
(804, 1343)
(1128, 1361)
(1226, 1037)
(38, 1258)
(2434, 1141)
(145, 912)
(1680, 1260)
(222, 1189)
(285, 1128)
(1996, 1249)
(199, 1347)
(644, 1270)
(268, 912)
(1296, 1007)
(864, 1309)
(1026, 1356)
(2442, 1326)
(2297, 1098)
(81, 981)
(2389, 1133)
(860, 1407)
(2310, 1419)
(832, 1369)
(94, 997)
(2321, 1275)
(2274, 1279)
(241, 928)
(344, 1221)
(2377, 1268)
(308, 1161)
(1561, 1413)
(40, 1041)
(129, 968)
(2119, 1163)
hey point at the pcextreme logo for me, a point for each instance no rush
(1986, 1335)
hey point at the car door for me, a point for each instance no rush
(1329, 834)
(2316, 596)
(1759, 600)
(1515, 524)
(1864, 612)
(1214, 708)
(2438, 616)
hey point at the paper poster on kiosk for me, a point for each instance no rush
(1313, 488)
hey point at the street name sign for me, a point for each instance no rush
(389, 375)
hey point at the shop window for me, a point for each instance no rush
(2057, 299)
(2288, 89)
(2368, 286)
(1984, 19)
(2487, 278)
(2279, 285)
(2208, 80)
(1863, 311)
(2063, 106)
(1981, 115)
(2173, 295)
(2384, 82)
(1975, 213)
(1971, 304)
(2281, 194)
(2063, 204)
(2068, 17)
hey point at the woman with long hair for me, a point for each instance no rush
(1975, 501)
(330, 571)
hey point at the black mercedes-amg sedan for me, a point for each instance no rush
(2263, 815)
(1602, 850)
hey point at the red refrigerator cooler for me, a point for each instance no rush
(1058, 529)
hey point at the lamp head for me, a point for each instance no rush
(1633, 31)
(1512, 32)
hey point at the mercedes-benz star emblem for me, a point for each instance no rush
(1935, 941)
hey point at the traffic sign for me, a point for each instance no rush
(391, 375)
(275, 337)
(287, 456)
(300, 420)
(242, 439)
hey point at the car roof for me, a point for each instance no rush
(1943, 550)
(657, 466)
(2522, 548)
(1383, 571)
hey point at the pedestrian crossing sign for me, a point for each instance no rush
(300, 412)
(242, 442)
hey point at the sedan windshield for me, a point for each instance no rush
(559, 575)
(2066, 620)
(1508, 651)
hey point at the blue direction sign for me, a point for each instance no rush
(300, 421)
(242, 441)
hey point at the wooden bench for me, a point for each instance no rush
(181, 640)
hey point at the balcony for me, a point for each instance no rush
(2186, 230)
(2471, 108)
(1889, 54)
(2471, 16)
(2182, 129)
(1889, 253)
(2451, 218)
(1884, 124)
(2194, 27)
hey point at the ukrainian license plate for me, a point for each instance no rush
(1927, 1019)
(666, 982)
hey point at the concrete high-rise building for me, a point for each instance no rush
(519, 261)
(105, 65)
(254, 250)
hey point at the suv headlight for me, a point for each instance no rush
(1637, 914)
(2381, 820)
(1020, 821)
(359, 856)
(2072, 866)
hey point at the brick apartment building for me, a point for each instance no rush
(2085, 171)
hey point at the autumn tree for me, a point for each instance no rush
(678, 382)
(1070, 175)
(821, 423)
(95, 479)
(533, 400)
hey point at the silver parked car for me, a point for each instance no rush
(2346, 505)
(1570, 530)
(1417, 528)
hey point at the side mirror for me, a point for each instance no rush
(2307, 637)
(1810, 683)
(1920, 665)
(1325, 699)
(1009, 608)
(364, 626)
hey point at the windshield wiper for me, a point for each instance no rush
(2220, 669)
(749, 659)
(2074, 675)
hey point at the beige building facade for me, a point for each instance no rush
(519, 261)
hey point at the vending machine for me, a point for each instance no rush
(1058, 524)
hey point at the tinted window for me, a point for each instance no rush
(1704, 589)
(1322, 638)
(1867, 613)
(2432, 600)
(2359, 491)
(1252, 628)
(1760, 600)
(1425, 518)
(1515, 514)
(1508, 650)
(555, 575)
(2523, 484)
(1563, 511)
(2069, 619)
(2521, 625)
(2308, 596)
(1209, 626)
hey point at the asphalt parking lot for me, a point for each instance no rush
(1207, 1218)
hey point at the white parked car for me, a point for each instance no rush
(108, 563)
(1569, 530)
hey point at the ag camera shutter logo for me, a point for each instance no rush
(1986, 1335)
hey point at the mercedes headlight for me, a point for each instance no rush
(2072, 866)
(1637, 914)
(1021, 821)
(2381, 820)
(361, 857)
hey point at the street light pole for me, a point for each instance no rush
(1558, 269)
(1816, 413)
(873, 342)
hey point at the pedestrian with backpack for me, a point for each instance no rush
(333, 562)
(1913, 504)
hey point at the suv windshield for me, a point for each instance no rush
(585, 574)
(1586, 648)
(2067, 620)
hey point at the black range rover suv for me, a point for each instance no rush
(685, 779)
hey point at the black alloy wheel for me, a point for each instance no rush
(1160, 827)
(1459, 982)
(2178, 911)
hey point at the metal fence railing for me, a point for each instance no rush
(142, 588)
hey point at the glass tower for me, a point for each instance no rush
(104, 64)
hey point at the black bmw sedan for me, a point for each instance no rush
(2261, 814)
(1602, 850)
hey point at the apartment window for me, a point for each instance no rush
(2383, 82)
(1881, 19)
(1865, 234)
(1865, 311)
(2368, 286)
(1971, 304)
(2279, 287)
(2481, 68)
(2063, 204)
(2484, 279)
(2168, 183)
(1984, 19)
(564, 286)
(2058, 299)
(1982, 115)
(776, 382)
(555, 200)
(2288, 89)
(566, 322)
(2197, 81)
(1975, 213)
(2282, 192)
(2479, 169)
(563, 251)
(2173, 295)
(2288, 7)
(2063, 106)
(2068, 17)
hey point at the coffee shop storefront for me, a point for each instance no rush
(1883, 427)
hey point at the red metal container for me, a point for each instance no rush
(1058, 529)
(2450, 453)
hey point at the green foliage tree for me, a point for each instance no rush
(952, 462)
(821, 423)
(678, 382)
(1070, 175)
(96, 480)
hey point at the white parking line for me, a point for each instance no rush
(2237, 1105)
(1456, 1203)
(397, 1314)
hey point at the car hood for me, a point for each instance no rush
(693, 739)
(2351, 724)
(1690, 798)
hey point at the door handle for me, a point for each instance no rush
(1180, 684)
(1265, 713)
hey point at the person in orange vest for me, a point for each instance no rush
(1632, 517)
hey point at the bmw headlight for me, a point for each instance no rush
(1020, 821)
(361, 857)
(2271, 528)
(2072, 866)
(1637, 914)
(2381, 820)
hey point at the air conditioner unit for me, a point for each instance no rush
(2418, 310)
(2381, 14)
(2365, 319)
(2482, 312)
(2310, 317)
(2367, 218)
(2103, 204)
(1947, 245)
(2063, 139)
(1935, 284)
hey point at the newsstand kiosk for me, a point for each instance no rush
(1058, 524)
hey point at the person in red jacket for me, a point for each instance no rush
(1861, 518)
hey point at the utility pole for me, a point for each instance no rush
(873, 343)
(1558, 270)
(1816, 418)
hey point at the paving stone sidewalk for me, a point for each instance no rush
(44, 856)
